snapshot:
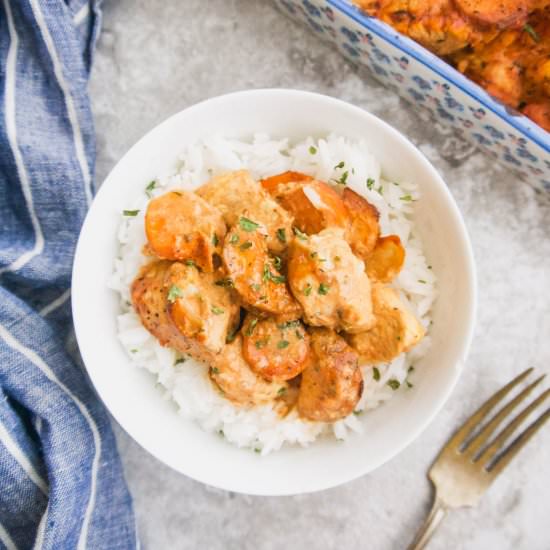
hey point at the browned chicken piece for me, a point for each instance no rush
(275, 351)
(396, 329)
(313, 204)
(150, 300)
(363, 228)
(182, 226)
(436, 24)
(540, 113)
(501, 13)
(330, 282)
(386, 260)
(254, 273)
(236, 194)
(238, 382)
(332, 383)
(200, 308)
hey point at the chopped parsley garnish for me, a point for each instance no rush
(251, 327)
(277, 262)
(282, 344)
(375, 373)
(299, 234)
(149, 188)
(215, 240)
(180, 360)
(268, 276)
(234, 239)
(339, 165)
(256, 287)
(337, 258)
(410, 369)
(343, 178)
(133, 351)
(299, 335)
(278, 279)
(130, 213)
(246, 245)
(174, 293)
(406, 198)
(380, 190)
(370, 184)
(409, 385)
(394, 384)
(215, 370)
(288, 324)
(228, 282)
(260, 343)
(190, 263)
(248, 225)
(531, 32)
(216, 310)
(357, 413)
(281, 391)
(231, 336)
(323, 289)
(429, 267)
(307, 290)
(312, 150)
(256, 450)
(422, 281)
(313, 254)
(281, 234)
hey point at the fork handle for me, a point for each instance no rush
(437, 513)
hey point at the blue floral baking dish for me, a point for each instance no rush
(431, 84)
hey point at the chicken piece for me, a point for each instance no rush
(272, 183)
(253, 272)
(500, 13)
(313, 204)
(275, 351)
(182, 226)
(150, 299)
(363, 228)
(330, 282)
(236, 194)
(332, 383)
(200, 308)
(396, 329)
(238, 382)
(436, 24)
(539, 113)
(386, 260)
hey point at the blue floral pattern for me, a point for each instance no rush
(426, 87)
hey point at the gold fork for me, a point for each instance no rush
(470, 461)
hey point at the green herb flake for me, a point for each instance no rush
(422, 281)
(312, 150)
(220, 433)
(133, 351)
(299, 335)
(409, 385)
(282, 344)
(323, 289)
(217, 310)
(227, 282)
(248, 225)
(406, 198)
(376, 373)
(246, 245)
(179, 361)
(394, 384)
(174, 293)
(370, 184)
(215, 240)
(343, 178)
(149, 188)
(277, 262)
(231, 336)
(380, 190)
(281, 234)
(251, 327)
(190, 263)
(410, 369)
(532, 32)
(357, 413)
(300, 235)
(281, 391)
(307, 290)
(215, 370)
(130, 213)
(234, 239)
(429, 267)
(339, 165)
(288, 324)
(256, 450)
(260, 344)
(256, 287)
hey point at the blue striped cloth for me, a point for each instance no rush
(61, 481)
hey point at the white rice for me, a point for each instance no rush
(187, 383)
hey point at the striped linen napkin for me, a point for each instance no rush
(61, 481)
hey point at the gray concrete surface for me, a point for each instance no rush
(156, 57)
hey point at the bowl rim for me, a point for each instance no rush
(79, 293)
(532, 131)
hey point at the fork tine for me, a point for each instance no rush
(512, 450)
(488, 454)
(458, 438)
(481, 438)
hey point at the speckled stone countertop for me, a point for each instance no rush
(157, 57)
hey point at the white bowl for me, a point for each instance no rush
(130, 393)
